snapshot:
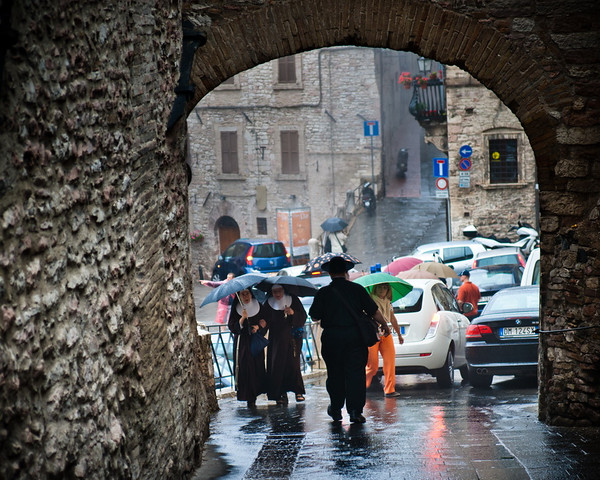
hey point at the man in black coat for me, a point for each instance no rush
(337, 306)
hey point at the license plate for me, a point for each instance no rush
(518, 332)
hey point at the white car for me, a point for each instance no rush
(456, 254)
(434, 332)
(531, 274)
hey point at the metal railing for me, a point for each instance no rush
(428, 104)
(222, 352)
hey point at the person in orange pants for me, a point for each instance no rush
(382, 295)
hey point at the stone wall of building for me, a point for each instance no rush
(102, 373)
(336, 89)
(474, 114)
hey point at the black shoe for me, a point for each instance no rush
(283, 400)
(335, 414)
(356, 417)
(393, 394)
(251, 403)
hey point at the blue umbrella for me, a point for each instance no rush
(293, 285)
(236, 284)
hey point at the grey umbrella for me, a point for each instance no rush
(293, 285)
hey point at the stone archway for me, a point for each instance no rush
(528, 59)
(99, 362)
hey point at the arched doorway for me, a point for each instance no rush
(227, 231)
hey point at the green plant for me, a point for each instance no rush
(196, 236)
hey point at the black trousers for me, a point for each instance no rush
(346, 356)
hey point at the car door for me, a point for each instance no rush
(456, 320)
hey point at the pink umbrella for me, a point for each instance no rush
(401, 265)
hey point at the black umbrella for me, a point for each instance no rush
(334, 224)
(236, 284)
(316, 263)
(297, 286)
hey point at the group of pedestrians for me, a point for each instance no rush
(351, 364)
(282, 319)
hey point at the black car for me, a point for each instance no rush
(493, 278)
(504, 339)
(251, 255)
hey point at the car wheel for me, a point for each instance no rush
(445, 375)
(479, 381)
(216, 277)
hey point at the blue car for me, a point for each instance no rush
(251, 255)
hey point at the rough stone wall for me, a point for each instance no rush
(474, 113)
(334, 85)
(102, 374)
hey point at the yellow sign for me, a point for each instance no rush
(496, 155)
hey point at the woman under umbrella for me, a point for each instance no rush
(285, 319)
(247, 318)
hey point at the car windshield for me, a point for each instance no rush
(520, 300)
(410, 303)
(269, 250)
(492, 280)
(498, 260)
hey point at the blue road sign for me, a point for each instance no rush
(371, 128)
(464, 164)
(440, 167)
(465, 151)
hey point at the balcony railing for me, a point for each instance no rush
(222, 353)
(428, 103)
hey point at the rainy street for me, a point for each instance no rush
(426, 433)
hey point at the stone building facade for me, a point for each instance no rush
(499, 188)
(102, 374)
(334, 90)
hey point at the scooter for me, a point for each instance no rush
(528, 238)
(402, 163)
(368, 198)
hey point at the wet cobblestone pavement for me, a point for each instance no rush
(426, 433)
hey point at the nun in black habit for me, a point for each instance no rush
(285, 318)
(247, 318)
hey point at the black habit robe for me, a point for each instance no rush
(284, 350)
(250, 374)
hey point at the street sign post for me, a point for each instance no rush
(464, 164)
(440, 167)
(371, 129)
(464, 179)
(441, 185)
(465, 151)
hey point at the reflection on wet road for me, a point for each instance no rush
(459, 433)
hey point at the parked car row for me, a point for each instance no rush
(438, 337)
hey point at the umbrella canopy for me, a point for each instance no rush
(234, 285)
(292, 285)
(399, 287)
(401, 265)
(316, 263)
(438, 269)
(334, 224)
(408, 274)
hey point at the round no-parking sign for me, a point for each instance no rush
(441, 183)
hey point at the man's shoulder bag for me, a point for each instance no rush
(367, 325)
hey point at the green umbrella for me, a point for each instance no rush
(399, 287)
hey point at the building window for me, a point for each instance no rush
(290, 162)
(503, 161)
(261, 226)
(229, 152)
(287, 70)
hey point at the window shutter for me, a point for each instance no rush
(229, 152)
(290, 161)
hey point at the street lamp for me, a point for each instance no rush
(424, 65)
